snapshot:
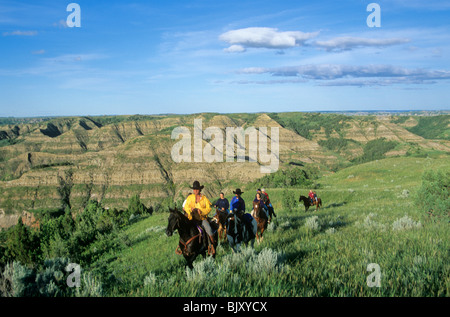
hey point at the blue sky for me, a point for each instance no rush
(152, 57)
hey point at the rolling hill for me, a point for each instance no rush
(58, 162)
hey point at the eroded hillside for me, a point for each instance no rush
(68, 161)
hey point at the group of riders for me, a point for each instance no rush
(197, 207)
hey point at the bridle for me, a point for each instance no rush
(185, 245)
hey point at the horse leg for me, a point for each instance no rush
(189, 261)
(220, 232)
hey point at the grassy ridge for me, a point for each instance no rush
(368, 217)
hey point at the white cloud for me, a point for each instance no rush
(235, 49)
(38, 52)
(348, 43)
(263, 37)
(351, 75)
(20, 33)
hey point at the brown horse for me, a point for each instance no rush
(261, 219)
(221, 219)
(307, 203)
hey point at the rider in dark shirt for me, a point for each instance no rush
(222, 204)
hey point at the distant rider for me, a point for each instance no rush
(266, 199)
(311, 196)
(260, 201)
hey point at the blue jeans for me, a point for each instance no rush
(205, 224)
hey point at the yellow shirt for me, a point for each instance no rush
(204, 205)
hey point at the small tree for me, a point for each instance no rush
(135, 207)
(23, 245)
(288, 199)
(433, 195)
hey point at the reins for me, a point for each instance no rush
(185, 244)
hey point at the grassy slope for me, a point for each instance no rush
(356, 227)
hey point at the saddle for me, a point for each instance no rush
(201, 236)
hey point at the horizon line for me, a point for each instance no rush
(219, 113)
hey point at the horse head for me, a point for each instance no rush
(257, 208)
(174, 221)
(304, 199)
(231, 225)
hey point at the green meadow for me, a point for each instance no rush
(369, 216)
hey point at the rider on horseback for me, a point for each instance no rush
(197, 206)
(265, 197)
(222, 204)
(311, 196)
(237, 205)
(258, 199)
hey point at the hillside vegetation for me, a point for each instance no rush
(94, 193)
(370, 216)
(67, 161)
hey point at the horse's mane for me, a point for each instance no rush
(185, 220)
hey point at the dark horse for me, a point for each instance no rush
(221, 219)
(237, 232)
(307, 202)
(192, 237)
(261, 219)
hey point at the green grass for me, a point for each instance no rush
(366, 218)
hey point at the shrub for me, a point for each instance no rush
(6, 282)
(90, 286)
(433, 195)
(405, 223)
(371, 224)
(135, 207)
(51, 281)
(288, 200)
(312, 223)
(293, 177)
(202, 271)
(265, 262)
(23, 280)
(150, 279)
(330, 231)
(23, 244)
(244, 264)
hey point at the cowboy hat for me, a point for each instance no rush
(196, 185)
(238, 191)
